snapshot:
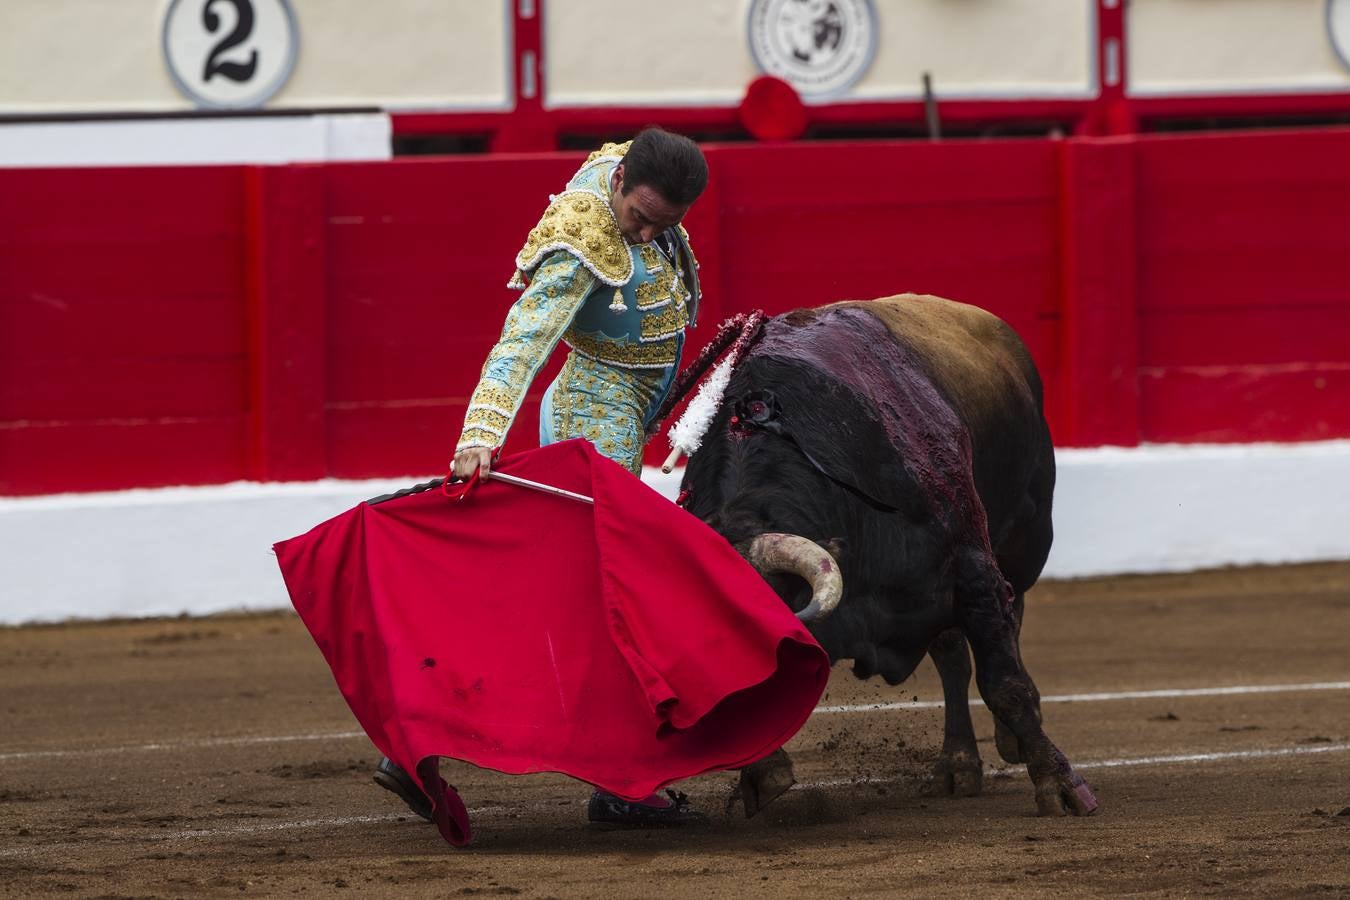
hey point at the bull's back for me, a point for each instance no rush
(975, 357)
(984, 369)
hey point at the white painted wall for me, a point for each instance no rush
(1231, 46)
(1179, 508)
(207, 549)
(1011, 48)
(696, 53)
(177, 142)
(404, 54)
(80, 56)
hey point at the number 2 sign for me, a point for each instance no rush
(230, 54)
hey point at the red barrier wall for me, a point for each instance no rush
(1244, 287)
(200, 325)
(123, 344)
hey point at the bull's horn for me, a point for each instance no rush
(794, 553)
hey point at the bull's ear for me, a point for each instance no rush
(844, 439)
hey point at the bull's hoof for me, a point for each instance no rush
(765, 781)
(1007, 744)
(1058, 795)
(959, 774)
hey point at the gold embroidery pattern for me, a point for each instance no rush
(652, 259)
(476, 436)
(670, 315)
(561, 401)
(611, 151)
(624, 354)
(655, 291)
(488, 396)
(490, 418)
(603, 405)
(483, 426)
(688, 245)
(532, 329)
(665, 323)
(651, 295)
(580, 222)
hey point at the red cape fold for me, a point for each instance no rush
(625, 644)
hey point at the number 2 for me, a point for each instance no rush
(243, 27)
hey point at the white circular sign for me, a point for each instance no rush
(820, 47)
(230, 54)
(1338, 29)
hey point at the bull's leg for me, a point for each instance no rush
(1004, 738)
(1007, 689)
(763, 782)
(958, 770)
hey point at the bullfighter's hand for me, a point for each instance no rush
(470, 460)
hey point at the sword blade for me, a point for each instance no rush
(542, 488)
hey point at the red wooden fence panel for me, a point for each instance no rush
(199, 325)
(287, 314)
(122, 328)
(418, 256)
(1244, 286)
(807, 224)
(1093, 398)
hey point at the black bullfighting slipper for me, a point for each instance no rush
(610, 811)
(392, 778)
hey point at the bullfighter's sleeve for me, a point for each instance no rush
(533, 327)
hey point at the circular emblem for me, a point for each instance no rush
(230, 54)
(1338, 29)
(820, 47)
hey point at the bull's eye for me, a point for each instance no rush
(758, 408)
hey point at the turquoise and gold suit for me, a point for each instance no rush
(622, 309)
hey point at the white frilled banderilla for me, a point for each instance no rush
(686, 436)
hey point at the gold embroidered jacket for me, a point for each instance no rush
(618, 304)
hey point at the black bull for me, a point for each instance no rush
(906, 436)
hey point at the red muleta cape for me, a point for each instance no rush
(625, 644)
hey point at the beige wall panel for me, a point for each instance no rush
(92, 55)
(83, 55)
(402, 53)
(977, 48)
(984, 48)
(1230, 46)
(610, 52)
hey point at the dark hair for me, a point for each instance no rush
(668, 163)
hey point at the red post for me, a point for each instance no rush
(284, 259)
(1112, 112)
(1098, 397)
(529, 127)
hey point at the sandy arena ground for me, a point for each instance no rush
(214, 757)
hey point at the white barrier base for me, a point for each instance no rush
(199, 550)
(208, 141)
